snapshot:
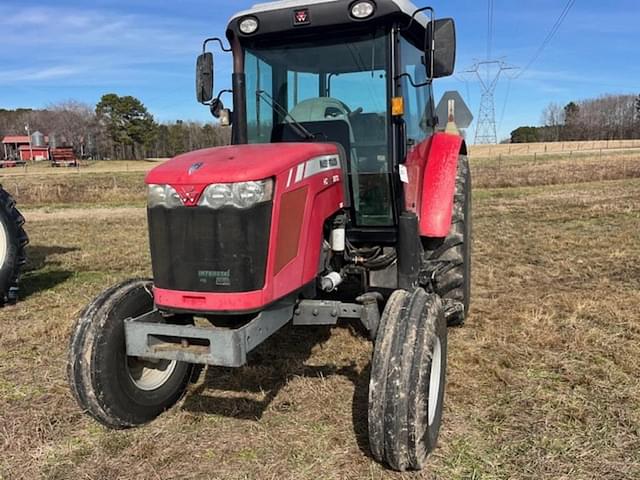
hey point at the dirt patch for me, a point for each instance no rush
(95, 214)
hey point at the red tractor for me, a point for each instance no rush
(339, 198)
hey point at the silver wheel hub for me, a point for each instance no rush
(149, 374)
(434, 380)
(4, 244)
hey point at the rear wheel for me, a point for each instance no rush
(408, 371)
(117, 390)
(13, 241)
(447, 261)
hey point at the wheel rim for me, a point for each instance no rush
(149, 374)
(3, 244)
(434, 381)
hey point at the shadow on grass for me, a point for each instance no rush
(40, 281)
(37, 275)
(38, 256)
(269, 369)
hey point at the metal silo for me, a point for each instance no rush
(37, 139)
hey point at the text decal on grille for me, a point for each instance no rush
(221, 277)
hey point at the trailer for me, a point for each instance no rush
(63, 157)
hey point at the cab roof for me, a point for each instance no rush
(404, 6)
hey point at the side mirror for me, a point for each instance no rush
(440, 49)
(204, 78)
(221, 113)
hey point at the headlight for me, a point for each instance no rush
(249, 25)
(163, 196)
(217, 196)
(362, 10)
(239, 195)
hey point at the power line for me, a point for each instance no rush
(506, 101)
(549, 37)
(490, 15)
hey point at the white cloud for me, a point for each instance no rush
(34, 74)
(93, 46)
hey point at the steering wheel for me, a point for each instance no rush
(355, 113)
(335, 111)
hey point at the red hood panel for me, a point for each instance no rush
(235, 163)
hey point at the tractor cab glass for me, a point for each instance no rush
(334, 90)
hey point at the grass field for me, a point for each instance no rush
(519, 149)
(542, 381)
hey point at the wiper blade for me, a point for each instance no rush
(298, 127)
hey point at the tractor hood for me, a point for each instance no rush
(236, 163)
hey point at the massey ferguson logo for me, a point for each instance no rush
(301, 17)
(194, 168)
(190, 195)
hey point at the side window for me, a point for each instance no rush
(259, 112)
(416, 99)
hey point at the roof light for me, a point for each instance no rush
(362, 10)
(249, 25)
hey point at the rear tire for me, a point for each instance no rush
(13, 240)
(116, 390)
(408, 373)
(447, 261)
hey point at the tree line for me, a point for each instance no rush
(610, 117)
(118, 127)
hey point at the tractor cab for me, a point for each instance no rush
(353, 73)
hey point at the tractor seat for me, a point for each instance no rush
(326, 109)
(320, 109)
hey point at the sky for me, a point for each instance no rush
(73, 49)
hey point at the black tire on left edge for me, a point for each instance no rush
(116, 390)
(408, 374)
(13, 240)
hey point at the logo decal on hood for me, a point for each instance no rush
(195, 167)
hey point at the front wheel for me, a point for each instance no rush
(408, 371)
(117, 390)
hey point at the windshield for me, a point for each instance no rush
(336, 91)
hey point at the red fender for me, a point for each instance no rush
(432, 167)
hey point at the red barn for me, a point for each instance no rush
(16, 147)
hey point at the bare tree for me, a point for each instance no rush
(74, 124)
(553, 117)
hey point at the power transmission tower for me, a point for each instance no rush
(488, 73)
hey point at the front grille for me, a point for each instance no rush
(198, 249)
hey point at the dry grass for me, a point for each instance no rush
(483, 151)
(107, 166)
(543, 380)
(554, 169)
(61, 190)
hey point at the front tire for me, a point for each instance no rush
(408, 373)
(116, 390)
